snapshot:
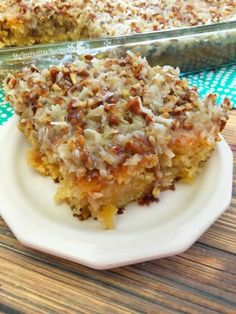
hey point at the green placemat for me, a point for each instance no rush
(6, 110)
(221, 81)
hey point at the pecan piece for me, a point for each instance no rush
(139, 145)
(83, 73)
(88, 57)
(86, 159)
(113, 120)
(53, 72)
(134, 106)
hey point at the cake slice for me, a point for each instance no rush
(113, 130)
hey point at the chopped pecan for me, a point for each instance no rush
(96, 103)
(58, 100)
(135, 28)
(112, 99)
(110, 107)
(33, 68)
(116, 149)
(175, 125)
(11, 83)
(83, 73)
(122, 63)
(75, 115)
(134, 106)
(53, 72)
(222, 124)
(133, 91)
(76, 88)
(95, 89)
(36, 9)
(113, 120)
(92, 174)
(139, 145)
(136, 70)
(86, 159)
(88, 57)
(148, 118)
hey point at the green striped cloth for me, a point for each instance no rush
(221, 81)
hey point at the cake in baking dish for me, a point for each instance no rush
(27, 22)
(113, 130)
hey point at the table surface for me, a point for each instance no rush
(201, 280)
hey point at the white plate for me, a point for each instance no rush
(142, 232)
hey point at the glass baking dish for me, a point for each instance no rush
(190, 49)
